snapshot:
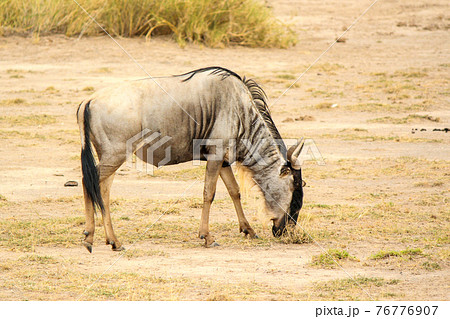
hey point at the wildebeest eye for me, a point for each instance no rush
(285, 170)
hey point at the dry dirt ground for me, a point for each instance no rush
(379, 206)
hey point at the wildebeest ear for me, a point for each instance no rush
(284, 171)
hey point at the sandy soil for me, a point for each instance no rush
(392, 64)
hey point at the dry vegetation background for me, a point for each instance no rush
(379, 206)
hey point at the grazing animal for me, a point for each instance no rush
(206, 104)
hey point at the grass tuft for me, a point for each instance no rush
(430, 266)
(394, 253)
(328, 259)
(296, 235)
(28, 120)
(89, 89)
(350, 288)
(213, 23)
(26, 235)
(412, 118)
(10, 102)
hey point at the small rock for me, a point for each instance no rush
(305, 118)
(71, 184)
(289, 119)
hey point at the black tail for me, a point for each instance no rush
(88, 167)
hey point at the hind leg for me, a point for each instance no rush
(106, 178)
(90, 222)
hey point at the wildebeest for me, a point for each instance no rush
(206, 104)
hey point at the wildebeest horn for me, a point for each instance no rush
(294, 152)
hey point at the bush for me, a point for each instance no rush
(214, 23)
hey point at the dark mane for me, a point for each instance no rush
(215, 70)
(258, 95)
(260, 99)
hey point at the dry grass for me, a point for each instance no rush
(373, 203)
(44, 277)
(21, 235)
(28, 120)
(196, 173)
(383, 107)
(214, 23)
(328, 68)
(7, 134)
(366, 137)
(88, 89)
(350, 289)
(137, 253)
(10, 102)
(412, 118)
(47, 278)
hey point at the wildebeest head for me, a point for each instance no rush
(294, 172)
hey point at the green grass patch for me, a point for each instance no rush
(214, 23)
(382, 254)
(330, 258)
(431, 266)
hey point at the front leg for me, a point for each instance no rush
(226, 173)
(211, 176)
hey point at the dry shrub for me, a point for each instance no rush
(214, 23)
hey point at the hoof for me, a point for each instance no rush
(214, 244)
(88, 246)
(114, 246)
(202, 236)
(85, 233)
(248, 232)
